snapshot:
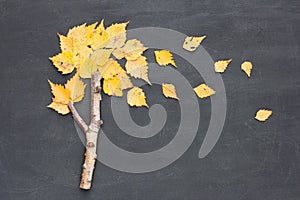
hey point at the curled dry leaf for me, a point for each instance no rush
(263, 114)
(221, 65)
(136, 97)
(164, 57)
(191, 43)
(203, 91)
(247, 67)
(169, 91)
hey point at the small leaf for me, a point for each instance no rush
(136, 97)
(221, 65)
(204, 91)
(76, 88)
(169, 91)
(192, 43)
(247, 68)
(63, 62)
(263, 114)
(60, 93)
(138, 68)
(60, 108)
(113, 87)
(164, 57)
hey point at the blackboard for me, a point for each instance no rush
(41, 154)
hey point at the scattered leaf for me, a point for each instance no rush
(138, 68)
(136, 97)
(204, 91)
(263, 114)
(221, 65)
(191, 43)
(164, 57)
(112, 86)
(247, 67)
(76, 88)
(169, 91)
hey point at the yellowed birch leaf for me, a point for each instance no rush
(164, 57)
(204, 91)
(221, 65)
(76, 88)
(112, 86)
(138, 68)
(263, 114)
(136, 97)
(247, 68)
(60, 108)
(169, 91)
(191, 43)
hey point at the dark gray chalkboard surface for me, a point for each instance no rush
(41, 154)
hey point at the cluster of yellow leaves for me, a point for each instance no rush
(72, 91)
(90, 48)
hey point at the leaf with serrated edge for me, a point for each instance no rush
(203, 91)
(138, 68)
(221, 65)
(136, 97)
(169, 91)
(191, 43)
(164, 57)
(76, 88)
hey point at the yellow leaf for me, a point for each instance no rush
(63, 62)
(66, 43)
(60, 93)
(60, 108)
(131, 50)
(191, 43)
(78, 34)
(116, 29)
(96, 35)
(247, 67)
(112, 86)
(164, 57)
(263, 114)
(116, 36)
(76, 88)
(125, 81)
(204, 91)
(80, 54)
(138, 68)
(221, 65)
(111, 69)
(97, 59)
(169, 91)
(136, 97)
